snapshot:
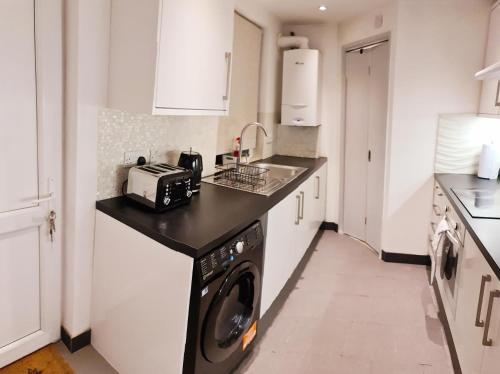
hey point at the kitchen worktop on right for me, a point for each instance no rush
(484, 231)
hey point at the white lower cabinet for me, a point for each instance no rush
(478, 314)
(291, 226)
(473, 283)
(491, 353)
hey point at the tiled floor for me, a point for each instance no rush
(350, 314)
(353, 314)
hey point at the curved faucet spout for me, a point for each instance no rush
(259, 126)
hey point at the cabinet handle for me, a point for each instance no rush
(228, 75)
(301, 216)
(436, 210)
(318, 187)
(297, 218)
(484, 279)
(487, 341)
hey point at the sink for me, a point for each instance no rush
(278, 176)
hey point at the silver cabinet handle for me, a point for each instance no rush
(487, 341)
(318, 187)
(436, 210)
(228, 75)
(301, 216)
(484, 279)
(297, 219)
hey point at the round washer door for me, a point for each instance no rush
(231, 313)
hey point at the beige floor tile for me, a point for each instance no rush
(352, 313)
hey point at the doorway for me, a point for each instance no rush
(366, 98)
(30, 148)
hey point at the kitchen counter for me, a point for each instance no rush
(214, 215)
(484, 231)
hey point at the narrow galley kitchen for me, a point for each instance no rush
(250, 187)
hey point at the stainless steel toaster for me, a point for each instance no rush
(160, 186)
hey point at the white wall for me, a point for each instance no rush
(87, 36)
(325, 38)
(439, 45)
(436, 46)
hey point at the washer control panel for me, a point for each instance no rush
(219, 259)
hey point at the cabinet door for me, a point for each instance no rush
(491, 356)
(194, 55)
(467, 336)
(280, 252)
(489, 87)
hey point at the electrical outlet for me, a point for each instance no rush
(130, 157)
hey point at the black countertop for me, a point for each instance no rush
(214, 215)
(484, 231)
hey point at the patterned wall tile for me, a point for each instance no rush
(158, 138)
(460, 140)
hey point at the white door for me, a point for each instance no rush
(30, 137)
(356, 144)
(367, 76)
(194, 55)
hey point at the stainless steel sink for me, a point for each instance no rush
(277, 177)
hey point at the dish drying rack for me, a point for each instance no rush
(245, 177)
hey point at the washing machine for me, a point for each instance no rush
(225, 304)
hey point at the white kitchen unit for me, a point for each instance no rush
(491, 336)
(475, 319)
(489, 91)
(475, 284)
(171, 57)
(153, 281)
(291, 226)
(300, 97)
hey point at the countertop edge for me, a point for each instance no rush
(465, 217)
(195, 253)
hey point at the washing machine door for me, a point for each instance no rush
(232, 312)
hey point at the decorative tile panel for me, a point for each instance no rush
(460, 140)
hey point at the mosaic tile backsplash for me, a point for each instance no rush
(162, 139)
(158, 138)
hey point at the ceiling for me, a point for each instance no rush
(306, 11)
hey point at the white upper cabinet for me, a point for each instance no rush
(171, 57)
(489, 88)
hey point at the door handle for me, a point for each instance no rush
(318, 179)
(369, 156)
(301, 216)
(43, 199)
(487, 341)
(484, 279)
(228, 75)
(297, 219)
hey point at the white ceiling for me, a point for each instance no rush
(306, 11)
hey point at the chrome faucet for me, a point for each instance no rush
(259, 125)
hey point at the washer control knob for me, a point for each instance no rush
(166, 200)
(239, 247)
